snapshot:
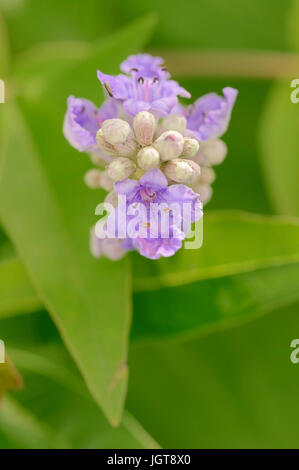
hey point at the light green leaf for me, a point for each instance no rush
(88, 299)
(279, 143)
(212, 305)
(233, 242)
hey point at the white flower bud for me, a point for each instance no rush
(113, 248)
(92, 178)
(190, 148)
(144, 125)
(106, 182)
(205, 192)
(99, 159)
(127, 149)
(207, 175)
(104, 145)
(182, 171)
(112, 198)
(212, 152)
(121, 168)
(174, 122)
(148, 158)
(116, 131)
(169, 145)
(95, 244)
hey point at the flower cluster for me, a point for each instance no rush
(151, 151)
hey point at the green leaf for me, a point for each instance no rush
(232, 389)
(20, 429)
(10, 378)
(212, 305)
(88, 299)
(233, 242)
(292, 25)
(279, 141)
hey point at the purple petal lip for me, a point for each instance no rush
(209, 117)
(153, 188)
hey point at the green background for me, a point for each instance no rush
(188, 352)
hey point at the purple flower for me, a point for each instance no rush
(145, 63)
(82, 121)
(209, 117)
(148, 87)
(157, 217)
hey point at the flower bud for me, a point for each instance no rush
(121, 168)
(205, 192)
(174, 122)
(92, 178)
(207, 175)
(104, 144)
(116, 131)
(106, 182)
(144, 125)
(169, 145)
(181, 171)
(190, 148)
(112, 198)
(127, 148)
(148, 158)
(213, 152)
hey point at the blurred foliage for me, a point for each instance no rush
(55, 406)
(204, 23)
(234, 388)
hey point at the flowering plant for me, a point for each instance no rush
(150, 150)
